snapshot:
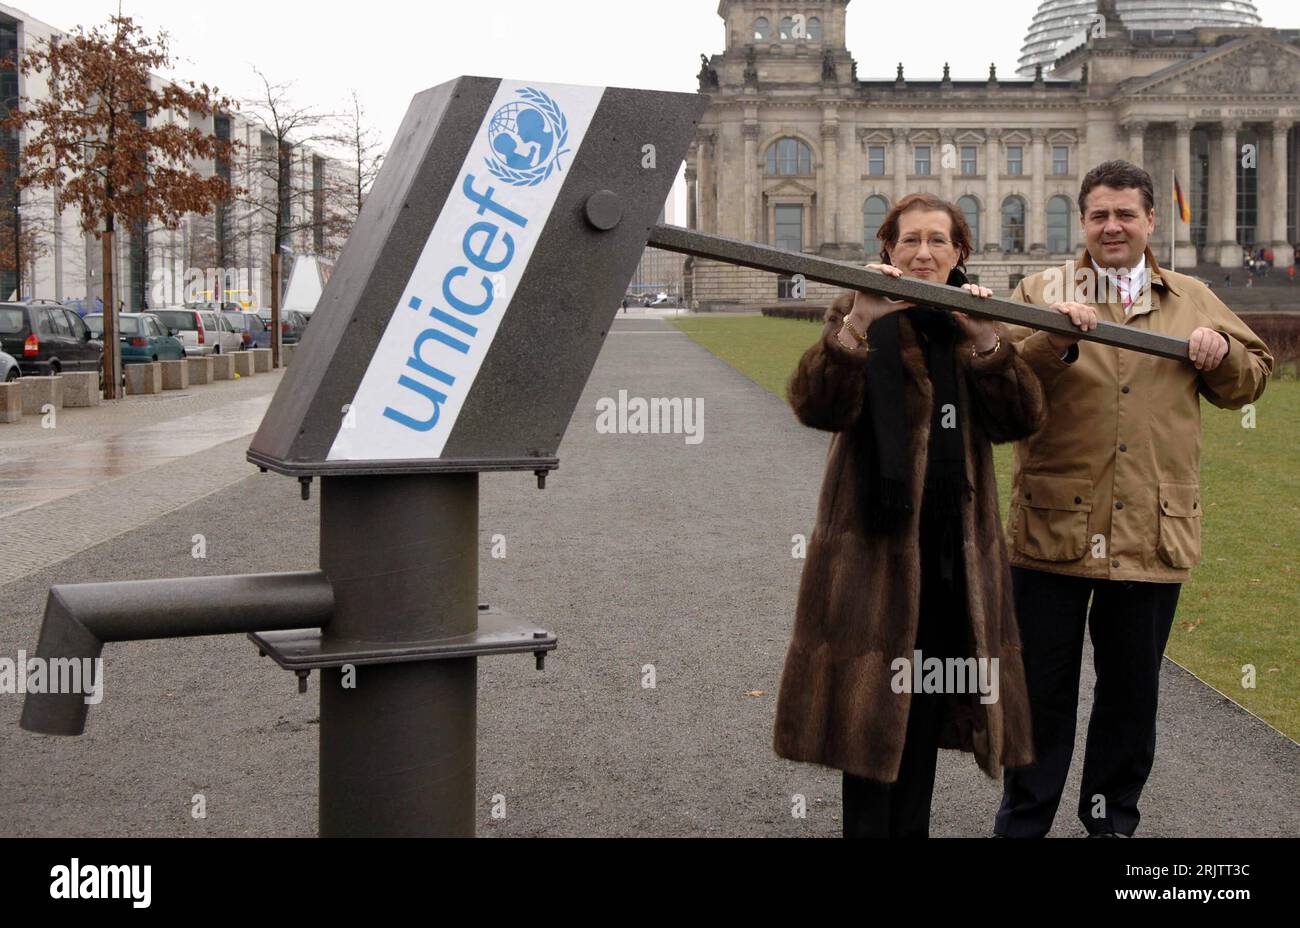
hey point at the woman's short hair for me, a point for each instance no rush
(888, 231)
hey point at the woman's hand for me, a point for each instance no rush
(868, 307)
(981, 332)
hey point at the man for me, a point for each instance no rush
(1106, 500)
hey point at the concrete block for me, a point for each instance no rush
(175, 375)
(286, 352)
(142, 379)
(11, 401)
(223, 366)
(243, 363)
(38, 391)
(199, 370)
(261, 359)
(81, 388)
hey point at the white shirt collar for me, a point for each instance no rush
(1137, 276)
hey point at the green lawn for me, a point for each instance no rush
(1242, 605)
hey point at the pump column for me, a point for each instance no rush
(398, 749)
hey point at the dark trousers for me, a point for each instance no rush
(1129, 625)
(873, 809)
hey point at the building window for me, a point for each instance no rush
(1058, 225)
(785, 287)
(1013, 224)
(789, 226)
(789, 156)
(876, 160)
(922, 160)
(873, 217)
(970, 208)
(1247, 200)
(762, 29)
(969, 160)
(787, 28)
(1060, 159)
(1015, 160)
(815, 29)
(1014, 281)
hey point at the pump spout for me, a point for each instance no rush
(81, 617)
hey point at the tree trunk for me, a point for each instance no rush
(112, 365)
(275, 308)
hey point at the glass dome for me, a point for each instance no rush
(1059, 25)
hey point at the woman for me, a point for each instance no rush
(907, 554)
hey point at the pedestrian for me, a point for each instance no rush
(1106, 505)
(1227, 279)
(624, 304)
(1290, 274)
(906, 562)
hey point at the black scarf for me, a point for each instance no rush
(881, 434)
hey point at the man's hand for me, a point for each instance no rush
(1206, 348)
(1083, 316)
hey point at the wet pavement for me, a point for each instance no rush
(60, 468)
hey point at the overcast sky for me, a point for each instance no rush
(389, 50)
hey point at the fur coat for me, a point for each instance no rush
(859, 593)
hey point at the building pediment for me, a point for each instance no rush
(1251, 66)
(789, 187)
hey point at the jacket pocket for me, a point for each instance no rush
(1053, 517)
(1180, 524)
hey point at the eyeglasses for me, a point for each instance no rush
(912, 243)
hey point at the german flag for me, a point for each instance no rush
(1184, 208)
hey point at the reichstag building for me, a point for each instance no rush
(796, 151)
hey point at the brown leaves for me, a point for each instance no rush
(112, 139)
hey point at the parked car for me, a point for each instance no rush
(251, 328)
(9, 371)
(47, 339)
(144, 337)
(292, 324)
(660, 299)
(202, 331)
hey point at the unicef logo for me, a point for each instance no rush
(527, 138)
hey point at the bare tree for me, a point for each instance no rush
(285, 206)
(363, 150)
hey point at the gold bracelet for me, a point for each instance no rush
(853, 330)
(997, 343)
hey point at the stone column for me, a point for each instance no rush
(1136, 130)
(992, 231)
(830, 183)
(1037, 231)
(704, 160)
(1184, 250)
(1225, 170)
(900, 165)
(751, 181)
(692, 214)
(947, 152)
(1283, 255)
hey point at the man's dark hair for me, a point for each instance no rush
(1119, 175)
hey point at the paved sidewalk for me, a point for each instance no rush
(647, 554)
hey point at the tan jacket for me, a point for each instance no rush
(1110, 486)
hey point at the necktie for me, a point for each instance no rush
(1124, 293)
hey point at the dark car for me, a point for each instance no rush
(252, 328)
(47, 339)
(292, 324)
(144, 337)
